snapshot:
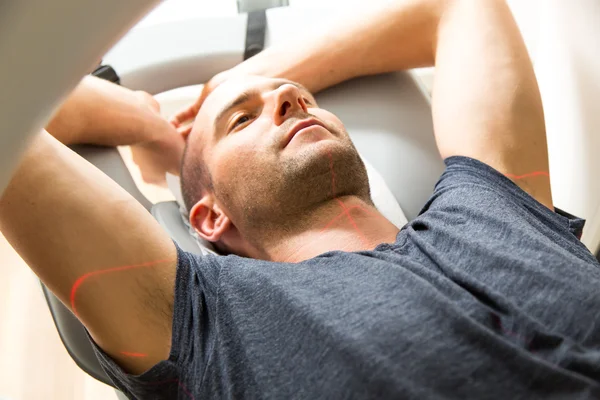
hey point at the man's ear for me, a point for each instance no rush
(208, 219)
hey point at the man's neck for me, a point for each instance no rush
(345, 224)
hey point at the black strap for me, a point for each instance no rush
(107, 72)
(255, 33)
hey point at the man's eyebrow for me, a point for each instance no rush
(252, 93)
(241, 99)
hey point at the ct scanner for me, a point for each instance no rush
(390, 121)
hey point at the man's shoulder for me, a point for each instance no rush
(473, 187)
(472, 201)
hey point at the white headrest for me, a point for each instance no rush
(174, 100)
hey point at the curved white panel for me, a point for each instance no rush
(172, 54)
(45, 48)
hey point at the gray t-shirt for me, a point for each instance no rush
(487, 294)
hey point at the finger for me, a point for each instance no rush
(185, 131)
(174, 171)
(187, 114)
(162, 182)
(190, 112)
(154, 178)
(183, 116)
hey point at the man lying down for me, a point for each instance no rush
(488, 293)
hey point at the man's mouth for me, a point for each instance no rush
(299, 126)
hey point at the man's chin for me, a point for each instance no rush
(323, 148)
(299, 182)
(326, 169)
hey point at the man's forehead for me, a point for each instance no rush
(232, 88)
(218, 97)
(229, 91)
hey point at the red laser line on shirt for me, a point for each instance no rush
(82, 278)
(529, 175)
(506, 331)
(174, 380)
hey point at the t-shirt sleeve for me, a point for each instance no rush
(472, 190)
(169, 379)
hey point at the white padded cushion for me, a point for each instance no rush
(174, 100)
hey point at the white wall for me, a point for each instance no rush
(564, 40)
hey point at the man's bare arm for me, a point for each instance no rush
(486, 102)
(103, 113)
(96, 248)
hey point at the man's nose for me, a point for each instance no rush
(288, 101)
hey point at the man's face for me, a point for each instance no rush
(273, 155)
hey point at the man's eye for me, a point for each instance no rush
(307, 101)
(244, 118)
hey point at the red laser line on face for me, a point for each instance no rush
(529, 175)
(332, 174)
(82, 278)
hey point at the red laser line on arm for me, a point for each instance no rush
(130, 354)
(82, 278)
(529, 175)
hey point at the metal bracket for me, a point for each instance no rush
(246, 6)
(256, 29)
(107, 72)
